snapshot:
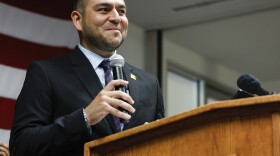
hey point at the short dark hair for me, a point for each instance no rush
(79, 5)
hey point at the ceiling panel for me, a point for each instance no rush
(158, 14)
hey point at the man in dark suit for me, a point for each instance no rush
(65, 102)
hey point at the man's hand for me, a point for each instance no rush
(4, 149)
(107, 101)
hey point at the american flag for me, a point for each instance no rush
(29, 30)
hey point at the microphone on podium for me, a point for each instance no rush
(241, 94)
(249, 86)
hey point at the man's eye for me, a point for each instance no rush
(103, 10)
(122, 12)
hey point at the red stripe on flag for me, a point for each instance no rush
(54, 8)
(19, 53)
(6, 113)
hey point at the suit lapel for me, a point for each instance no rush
(84, 71)
(133, 88)
(88, 77)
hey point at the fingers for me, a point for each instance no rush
(117, 99)
(119, 114)
(111, 86)
(122, 104)
(108, 101)
(119, 95)
(3, 145)
(4, 150)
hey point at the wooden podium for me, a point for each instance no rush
(244, 127)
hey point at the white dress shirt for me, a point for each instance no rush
(95, 61)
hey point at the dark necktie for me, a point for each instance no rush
(105, 64)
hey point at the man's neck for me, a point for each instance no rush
(105, 54)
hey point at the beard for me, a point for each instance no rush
(100, 42)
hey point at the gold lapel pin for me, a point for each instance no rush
(132, 76)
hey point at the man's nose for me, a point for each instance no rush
(114, 16)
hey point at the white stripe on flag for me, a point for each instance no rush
(37, 28)
(11, 81)
(5, 135)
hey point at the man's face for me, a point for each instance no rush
(104, 24)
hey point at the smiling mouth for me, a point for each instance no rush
(114, 28)
(114, 31)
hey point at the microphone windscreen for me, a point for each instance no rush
(117, 61)
(248, 83)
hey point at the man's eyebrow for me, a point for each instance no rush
(102, 4)
(122, 6)
(108, 4)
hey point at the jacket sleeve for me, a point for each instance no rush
(35, 131)
(160, 104)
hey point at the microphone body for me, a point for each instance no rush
(119, 75)
(117, 64)
(241, 94)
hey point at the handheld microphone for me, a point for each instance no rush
(250, 84)
(117, 64)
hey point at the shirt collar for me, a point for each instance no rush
(94, 58)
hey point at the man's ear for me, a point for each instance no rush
(77, 20)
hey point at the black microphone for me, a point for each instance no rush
(241, 94)
(250, 84)
(117, 63)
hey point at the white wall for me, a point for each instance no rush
(188, 61)
(272, 86)
(133, 50)
(182, 93)
(192, 63)
(133, 47)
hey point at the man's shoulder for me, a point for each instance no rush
(57, 61)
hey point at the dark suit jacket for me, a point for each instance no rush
(48, 116)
